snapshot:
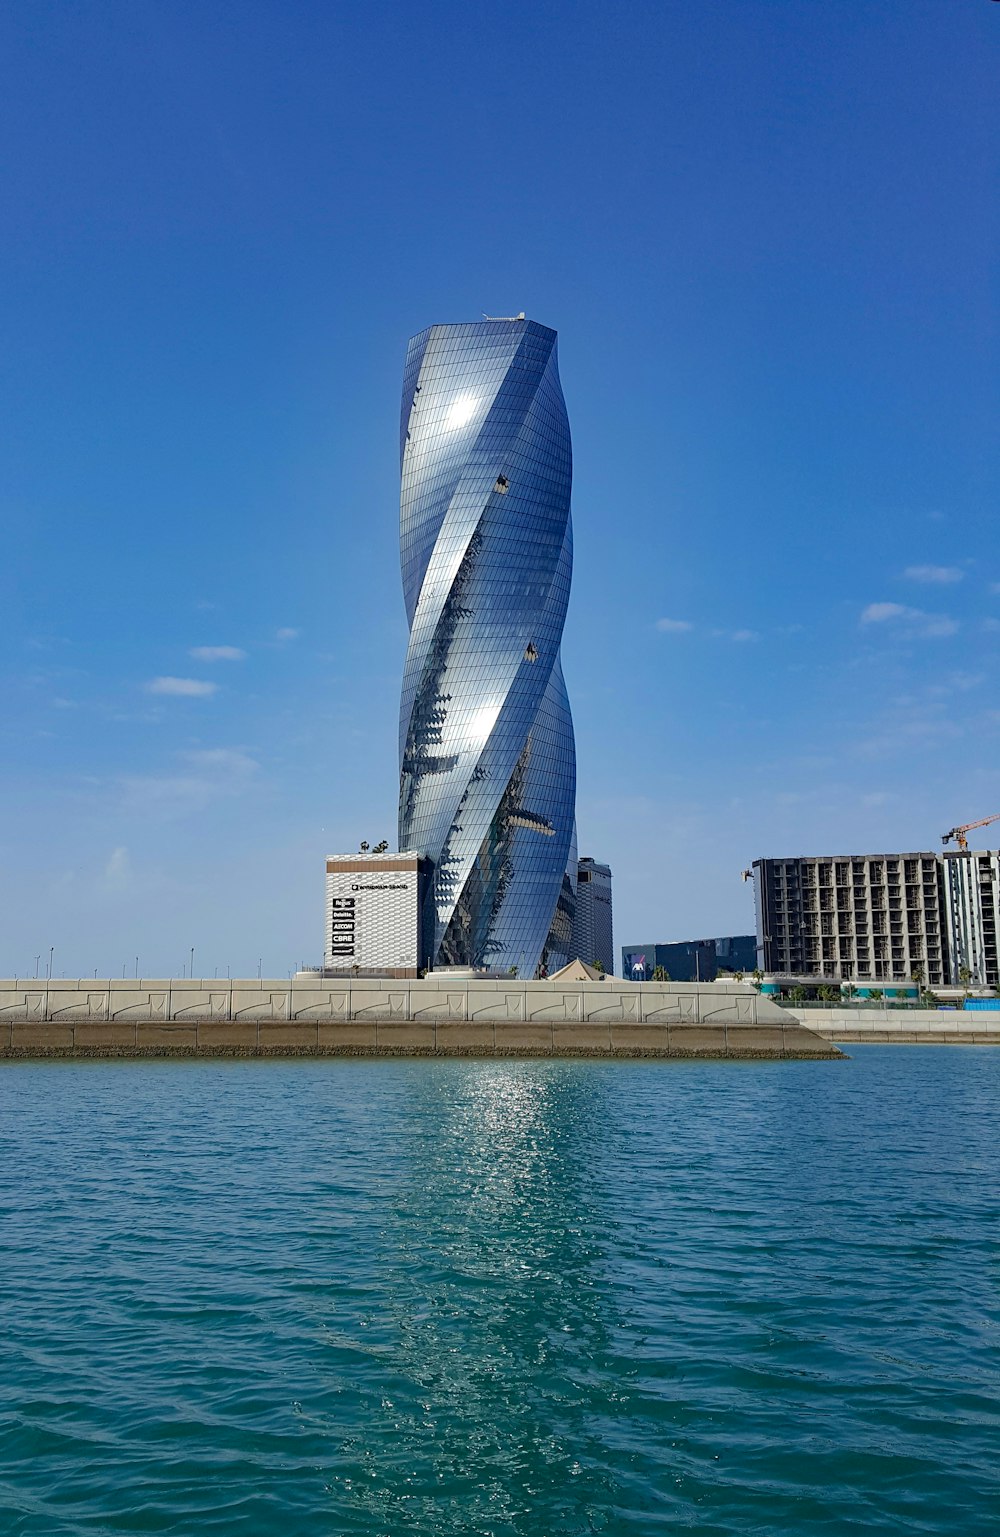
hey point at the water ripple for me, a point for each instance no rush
(501, 1298)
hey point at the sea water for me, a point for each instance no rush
(501, 1297)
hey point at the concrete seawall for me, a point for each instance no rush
(431, 1017)
(930, 1027)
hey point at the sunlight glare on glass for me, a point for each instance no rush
(481, 723)
(462, 410)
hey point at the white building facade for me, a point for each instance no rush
(374, 914)
(972, 883)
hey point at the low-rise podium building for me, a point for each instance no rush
(375, 914)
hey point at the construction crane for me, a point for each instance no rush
(957, 834)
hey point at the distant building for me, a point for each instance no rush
(690, 960)
(856, 918)
(593, 938)
(972, 886)
(376, 914)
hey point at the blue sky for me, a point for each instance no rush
(766, 231)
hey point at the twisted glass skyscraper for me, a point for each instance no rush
(487, 758)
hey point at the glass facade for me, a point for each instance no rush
(487, 757)
(691, 960)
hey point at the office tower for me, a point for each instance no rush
(487, 757)
(593, 939)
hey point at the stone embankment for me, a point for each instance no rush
(431, 1017)
(929, 1027)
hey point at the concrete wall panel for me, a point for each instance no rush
(38, 1035)
(347, 1035)
(514, 1036)
(585, 1037)
(136, 1004)
(259, 1005)
(462, 1035)
(77, 1004)
(372, 1003)
(107, 1033)
(22, 1002)
(404, 1035)
(281, 1035)
(562, 1007)
(669, 1008)
(330, 1003)
(639, 1038)
(695, 1040)
(165, 1037)
(730, 1009)
(496, 1004)
(198, 1004)
(613, 1006)
(442, 1005)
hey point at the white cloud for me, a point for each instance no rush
(212, 773)
(955, 682)
(287, 634)
(118, 870)
(674, 626)
(875, 613)
(991, 626)
(942, 575)
(193, 688)
(222, 760)
(912, 621)
(744, 635)
(937, 625)
(995, 587)
(217, 654)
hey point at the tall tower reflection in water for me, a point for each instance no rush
(486, 749)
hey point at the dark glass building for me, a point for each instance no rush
(487, 757)
(691, 960)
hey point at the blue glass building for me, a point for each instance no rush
(487, 757)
